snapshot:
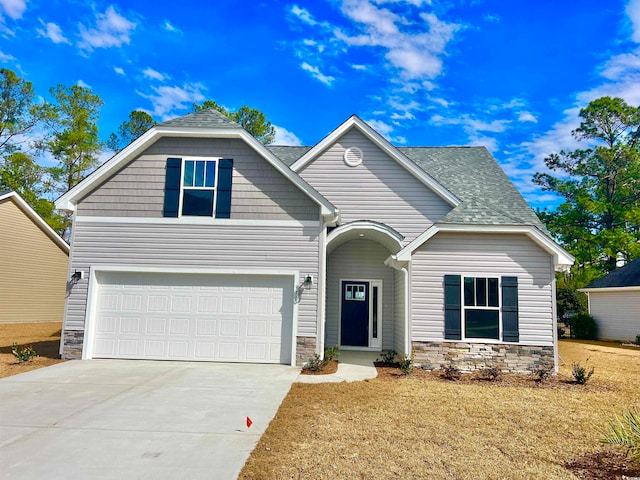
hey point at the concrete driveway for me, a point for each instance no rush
(113, 419)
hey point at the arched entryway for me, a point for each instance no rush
(364, 296)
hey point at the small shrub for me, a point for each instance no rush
(23, 354)
(638, 339)
(450, 372)
(581, 374)
(315, 364)
(406, 363)
(331, 354)
(388, 356)
(543, 372)
(584, 327)
(624, 431)
(561, 332)
(490, 373)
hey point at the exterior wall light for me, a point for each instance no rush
(308, 281)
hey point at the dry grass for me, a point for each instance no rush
(423, 427)
(43, 336)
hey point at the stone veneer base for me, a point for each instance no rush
(475, 356)
(305, 349)
(72, 341)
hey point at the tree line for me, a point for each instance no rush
(65, 128)
(598, 220)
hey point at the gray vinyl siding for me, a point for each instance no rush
(617, 314)
(260, 192)
(358, 260)
(197, 246)
(482, 255)
(399, 313)
(379, 189)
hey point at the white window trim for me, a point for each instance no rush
(464, 308)
(214, 188)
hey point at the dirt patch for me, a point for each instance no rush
(329, 368)
(603, 465)
(44, 337)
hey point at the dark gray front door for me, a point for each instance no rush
(354, 321)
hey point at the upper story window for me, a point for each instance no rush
(199, 187)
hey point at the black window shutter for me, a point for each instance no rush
(510, 331)
(172, 187)
(452, 313)
(225, 176)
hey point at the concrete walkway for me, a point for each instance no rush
(353, 366)
(113, 419)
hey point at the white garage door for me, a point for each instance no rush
(225, 318)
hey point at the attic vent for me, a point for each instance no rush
(353, 156)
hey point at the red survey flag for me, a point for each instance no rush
(249, 422)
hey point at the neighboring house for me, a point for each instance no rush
(199, 243)
(34, 267)
(614, 302)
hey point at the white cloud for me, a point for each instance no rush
(472, 125)
(315, 73)
(154, 74)
(170, 28)
(633, 12)
(492, 18)
(304, 15)
(359, 67)
(5, 57)
(111, 30)
(53, 32)
(13, 8)
(119, 71)
(489, 143)
(525, 116)
(166, 100)
(83, 84)
(413, 55)
(285, 137)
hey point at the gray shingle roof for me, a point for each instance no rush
(627, 276)
(288, 154)
(207, 118)
(471, 174)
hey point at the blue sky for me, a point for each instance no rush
(511, 76)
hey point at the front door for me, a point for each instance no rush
(354, 330)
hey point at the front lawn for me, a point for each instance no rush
(424, 427)
(43, 336)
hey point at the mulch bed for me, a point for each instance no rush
(603, 465)
(391, 372)
(330, 367)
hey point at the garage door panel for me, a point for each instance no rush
(230, 318)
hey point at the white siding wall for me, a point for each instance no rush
(379, 189)
(359, 260)
(197, 246)
(617, 314)
(482, 255)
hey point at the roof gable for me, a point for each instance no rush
(206, 123)
(37, 219)
(356, 122)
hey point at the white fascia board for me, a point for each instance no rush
(68, 200)
(37, 219)
(562, 258)
(634, 288)
(385, 146)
